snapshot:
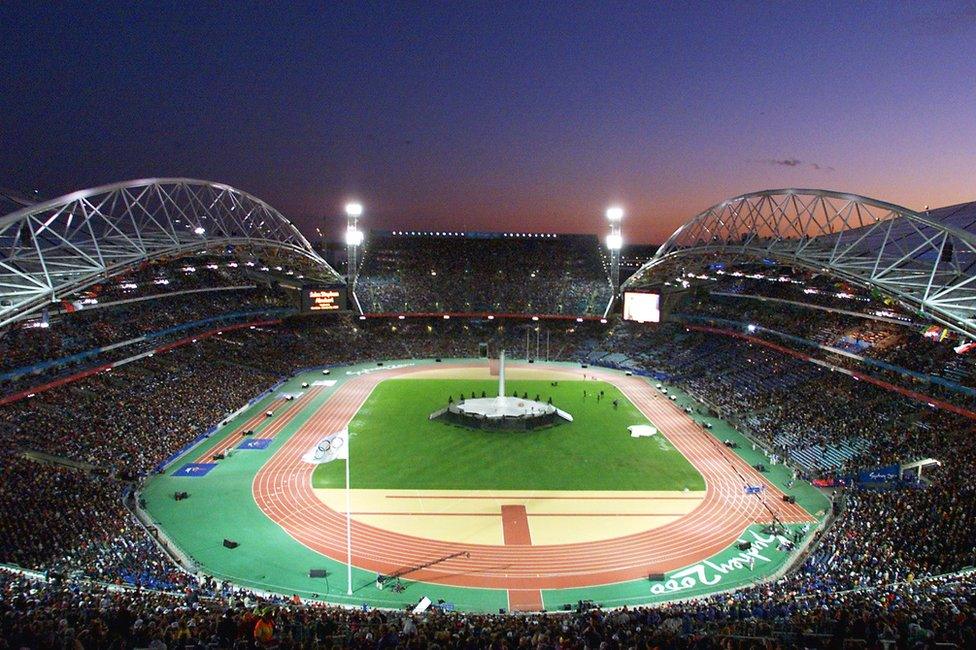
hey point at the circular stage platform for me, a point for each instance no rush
(503, 412)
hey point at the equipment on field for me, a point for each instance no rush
(317, 573)
(229, 543)
(381, 579)
(504, 412)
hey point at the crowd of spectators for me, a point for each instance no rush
(903, 346)
(554, 274)
(77, 527)
(136, 415)
(30, 343)
(919, 614)
(885, 544)
(206, 288)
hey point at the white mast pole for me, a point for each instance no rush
(348, 527)
(501, 374)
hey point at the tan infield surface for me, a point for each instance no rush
(511, 372)
(500, 517)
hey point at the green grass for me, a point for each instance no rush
(394, 446)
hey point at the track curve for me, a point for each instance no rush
(282, 488)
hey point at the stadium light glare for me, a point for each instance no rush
(490, 317)
(615, 213)
(615, 241)
(199, 230)
(354, 236)
(354, 209)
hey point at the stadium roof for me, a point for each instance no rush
(53, 248)
(926, 261)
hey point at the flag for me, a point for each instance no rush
(332, 447)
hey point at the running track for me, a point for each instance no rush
(283, 489)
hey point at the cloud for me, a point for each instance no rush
(794, 162)
(946, 18)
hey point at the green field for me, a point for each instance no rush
(393, 445)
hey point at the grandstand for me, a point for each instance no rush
(487, 273)
(133, 346)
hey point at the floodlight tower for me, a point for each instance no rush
(615, 242)
(354, 239)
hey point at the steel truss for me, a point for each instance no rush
(925, 264)
(52, 249)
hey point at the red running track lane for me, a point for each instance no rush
(515, 526)
(234, 436)
(283, 490)
(277, 424)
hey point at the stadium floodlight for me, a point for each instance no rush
(199, 230)
(354, 236)
(354, 209)
(615, 213)
(615, 241)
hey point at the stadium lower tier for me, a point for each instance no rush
(867, 566)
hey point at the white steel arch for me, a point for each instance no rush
(926, 264)
(54, 248)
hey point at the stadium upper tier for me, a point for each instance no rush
(55, 248)
(484, 272)
(926, 261)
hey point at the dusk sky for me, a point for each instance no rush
(494, 116)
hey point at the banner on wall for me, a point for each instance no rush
(880, 475)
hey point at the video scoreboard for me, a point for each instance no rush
(642, 307)
(317, 299)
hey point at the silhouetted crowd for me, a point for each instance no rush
(62, 614)
(549, 275)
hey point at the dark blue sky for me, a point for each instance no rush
(530, 116)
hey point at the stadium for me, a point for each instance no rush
(758, 433)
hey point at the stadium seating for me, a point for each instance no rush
(890, 566)
(564, 274)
